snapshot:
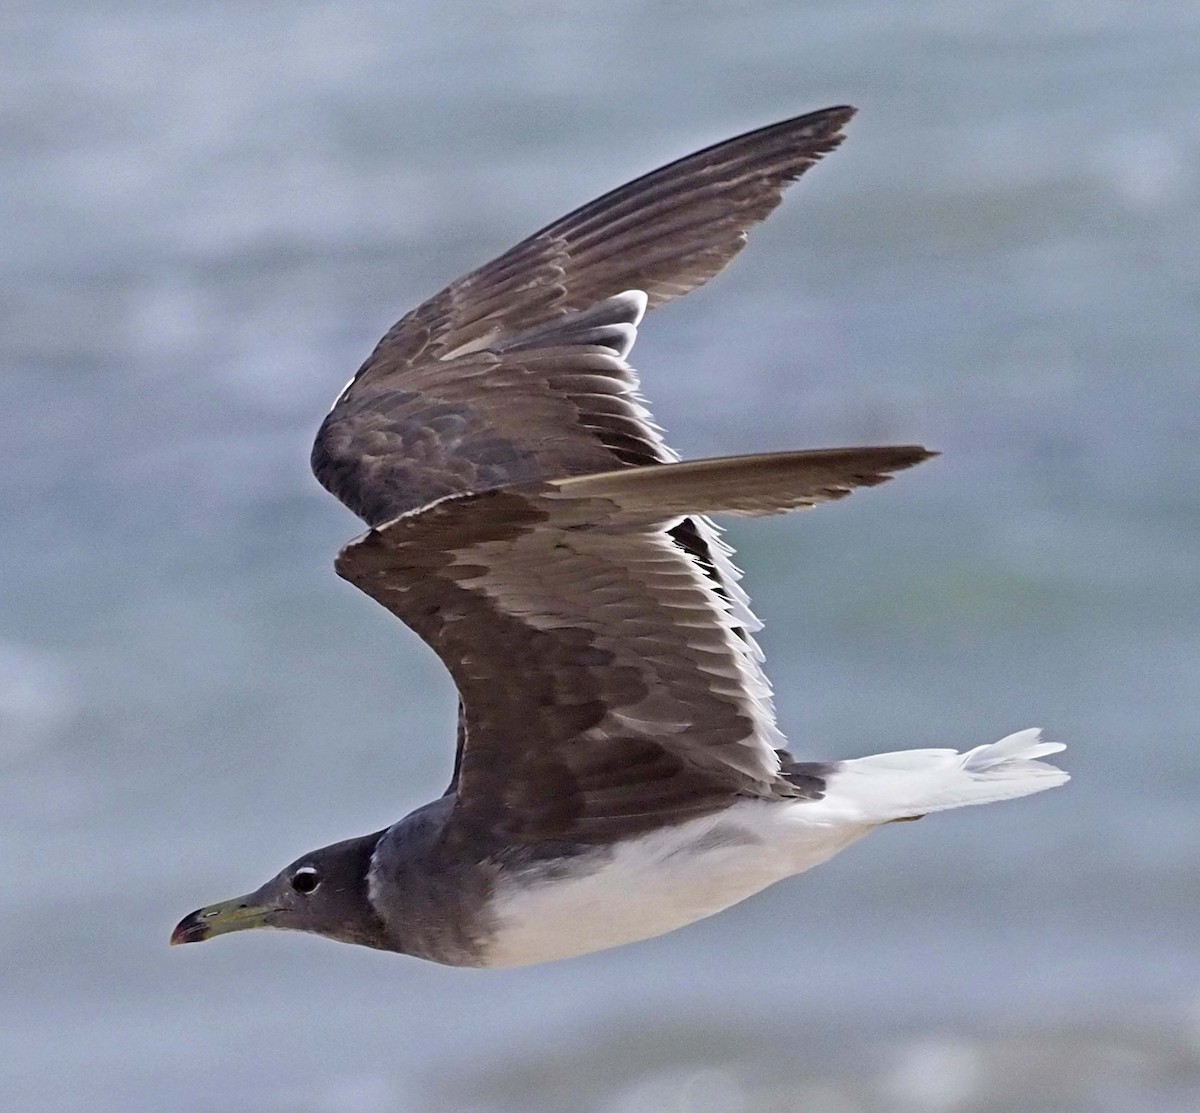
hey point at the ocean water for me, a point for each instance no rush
(211, 211)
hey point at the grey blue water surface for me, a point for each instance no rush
(209, 213)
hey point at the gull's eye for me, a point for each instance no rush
(305, 879)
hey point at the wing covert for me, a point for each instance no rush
(404, 424)
(606, 688)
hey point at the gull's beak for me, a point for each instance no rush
(217, 919)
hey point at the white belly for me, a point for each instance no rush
(663, 881)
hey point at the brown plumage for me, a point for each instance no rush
(619, 771)
(448, 403)
(604, 685)
(602, 679)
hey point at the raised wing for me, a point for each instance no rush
(605, 686)
(470, 389)
(666, 233)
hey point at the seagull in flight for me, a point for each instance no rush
(619, 772)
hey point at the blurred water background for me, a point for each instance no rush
(211, 210)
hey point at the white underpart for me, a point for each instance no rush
(672, 877)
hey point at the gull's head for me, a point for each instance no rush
(324, 892)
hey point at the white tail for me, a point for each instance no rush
(909, 783)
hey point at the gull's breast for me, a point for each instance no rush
(652, 884)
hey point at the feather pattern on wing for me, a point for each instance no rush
(518, 371)
(605, 686)
(437, 406)
(666, 233)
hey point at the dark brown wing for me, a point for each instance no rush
(666, 233)
(517, 371)
(605, 687)
(561, 404)
(436, 408)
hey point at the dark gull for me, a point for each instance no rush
(619, 772)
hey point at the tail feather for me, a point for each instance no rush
(909, 783)
(1025, 745)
